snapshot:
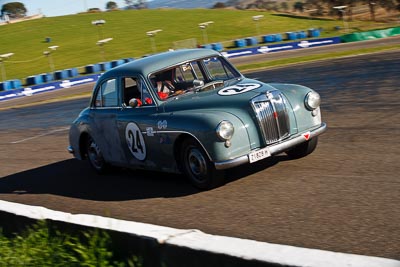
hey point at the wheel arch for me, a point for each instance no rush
(178, 147)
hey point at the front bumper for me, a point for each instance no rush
(273, 149)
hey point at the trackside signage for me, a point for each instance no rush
(265, 49)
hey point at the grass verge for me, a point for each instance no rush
(43, 245)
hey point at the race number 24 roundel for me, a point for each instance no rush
(238, 89)
(135, 141)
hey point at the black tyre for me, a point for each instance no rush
(95, 156)
(303, 149)
(198, 168)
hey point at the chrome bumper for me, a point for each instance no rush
(273, 149)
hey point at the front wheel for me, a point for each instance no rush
(95, 156)
(303, 149)
(197, 167)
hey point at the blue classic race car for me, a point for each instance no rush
(190, 111)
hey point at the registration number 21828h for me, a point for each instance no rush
(259, 155)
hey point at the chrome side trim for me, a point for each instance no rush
(274, 149)
(70, 149)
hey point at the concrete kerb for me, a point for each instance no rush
(178, 247)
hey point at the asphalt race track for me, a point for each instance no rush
(344, 197)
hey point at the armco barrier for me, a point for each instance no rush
(165, 246)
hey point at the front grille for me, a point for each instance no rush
(272, 116)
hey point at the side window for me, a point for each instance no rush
(107, 95)
(197, 71)
(134, 88)
(218, 69)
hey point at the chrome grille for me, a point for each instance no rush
(272, 116)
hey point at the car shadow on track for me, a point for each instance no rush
(75, 179)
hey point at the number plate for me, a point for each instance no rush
(259, 155)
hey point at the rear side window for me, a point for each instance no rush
(107, 95)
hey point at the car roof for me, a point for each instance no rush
(160, 61)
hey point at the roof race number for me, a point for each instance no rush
(135, 141)
(238, 89)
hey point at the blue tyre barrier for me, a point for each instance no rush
(240, 43)
(5, 86)
(47, 77)
(301, 35)
(16, 84)
(313, 33)
(126, 60)
(217, 46)
(34, 80)
(269, 38)
(207, 46)
(251, 41)
(116, 63)
(278, 37)
(105, 66)
(72, 72)
(291, 35)
(60, 74)
(93, 68)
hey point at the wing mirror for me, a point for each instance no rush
(198, 83)
(133, 103)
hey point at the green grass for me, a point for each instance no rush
(42, 245)
(77, 37)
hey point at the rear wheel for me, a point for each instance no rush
(95, 156)
(197, 167)
(303, 149)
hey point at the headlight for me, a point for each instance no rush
(225, 130)
(312, 100)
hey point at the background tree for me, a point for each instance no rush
(298, 6)
(386, 4)
(219, 5)
(111, 5)
(14, 10)
(285, 6)
(136, 4)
